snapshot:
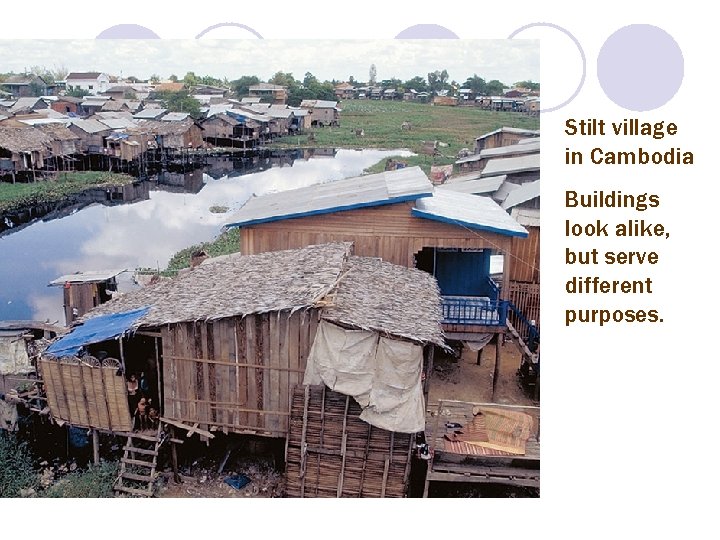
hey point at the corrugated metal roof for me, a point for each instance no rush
(372, 190)
(471, 211)
(318, 104)
(505, 189)
(150, 113)
(525, 192)
(87, 277)
(531, 140)
(175, 116)
(476, 186)
(517, 131)
(90, 126)
(117, 123)
(532, 146)
(527, 217)
(517, 164)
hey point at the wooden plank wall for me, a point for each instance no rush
(525, 254)
(86, 396)
(526, 296)
(332, 453)
(388, 232)
(236, 374)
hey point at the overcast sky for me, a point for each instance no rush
(508, 61)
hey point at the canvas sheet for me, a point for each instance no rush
(382, 374)
(14, 359)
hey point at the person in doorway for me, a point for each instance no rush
(141, 416)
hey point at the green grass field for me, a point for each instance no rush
(381, 122)
(46, 191)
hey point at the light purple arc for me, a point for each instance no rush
(580, 49)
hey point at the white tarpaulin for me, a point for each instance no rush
(13, 355)
(382, 374)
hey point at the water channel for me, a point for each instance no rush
(168, 217)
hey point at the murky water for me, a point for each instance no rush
(146, 233)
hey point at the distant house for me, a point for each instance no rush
(503, 137)
(118, 92)
(22, 150)
(269, 93)
(92, 135)
(28, 85)
(344, 90)
(150, 114)
(66, 105)
(27, 105)
(92, 82)
(322, 113)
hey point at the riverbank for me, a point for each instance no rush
(48, 191)
(381, 126)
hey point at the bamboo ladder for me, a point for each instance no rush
(138, 466)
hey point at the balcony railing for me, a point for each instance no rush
(479, 310)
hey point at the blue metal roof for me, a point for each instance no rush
(467, 210)
(95, 330)
(388, 187)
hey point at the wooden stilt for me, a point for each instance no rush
(96, 447)
(174, 456)
(496, 370)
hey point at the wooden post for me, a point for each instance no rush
(428, 373)
(496, 369)
(174, 456)
(96, 447)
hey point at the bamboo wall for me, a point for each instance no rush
(86, 396)
(236, 374)
(526, 297)
(388, 232)
(332, 453)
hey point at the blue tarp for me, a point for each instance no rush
(94, 331)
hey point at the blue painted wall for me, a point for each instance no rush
(463, 273)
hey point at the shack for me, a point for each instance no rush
(503, 136)
(322, 112)
(23, 150)
(83, 291)
(226, 343)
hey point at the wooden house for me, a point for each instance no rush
(23, 149)
(63, 144)
(27, 85)
(84, 291)
(269, 93)
(322, 113)
(168, 136)
(478, 161)
(93, 135)
(399, 217)
(503, 136)
(344, 90)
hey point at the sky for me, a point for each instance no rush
(508, 61)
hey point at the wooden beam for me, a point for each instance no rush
(192, 429)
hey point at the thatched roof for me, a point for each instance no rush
(376, 295)
(359, 292)
(58, 132)
(23, 139)
(157, 127)
(235, 285)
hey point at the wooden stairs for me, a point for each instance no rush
(138, 466)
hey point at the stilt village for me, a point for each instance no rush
(371, 336)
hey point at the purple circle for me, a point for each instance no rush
(640, 67)
(127, 31)
(426, 31)
(222, 25)
(580, 49)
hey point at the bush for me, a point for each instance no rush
(94, 482)
(16, 467)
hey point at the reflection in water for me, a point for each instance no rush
(148, 232)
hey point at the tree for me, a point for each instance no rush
(241, 86)
(284, 79)
(373, 75)
(180, 101)
(190, 78)
(495, 88)
(155, 78)
(173, 78)
(476, 84)
(351, 80)
(77, 92)
(437, 81)
(310, 80)
(417, 83)
(530, 85)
